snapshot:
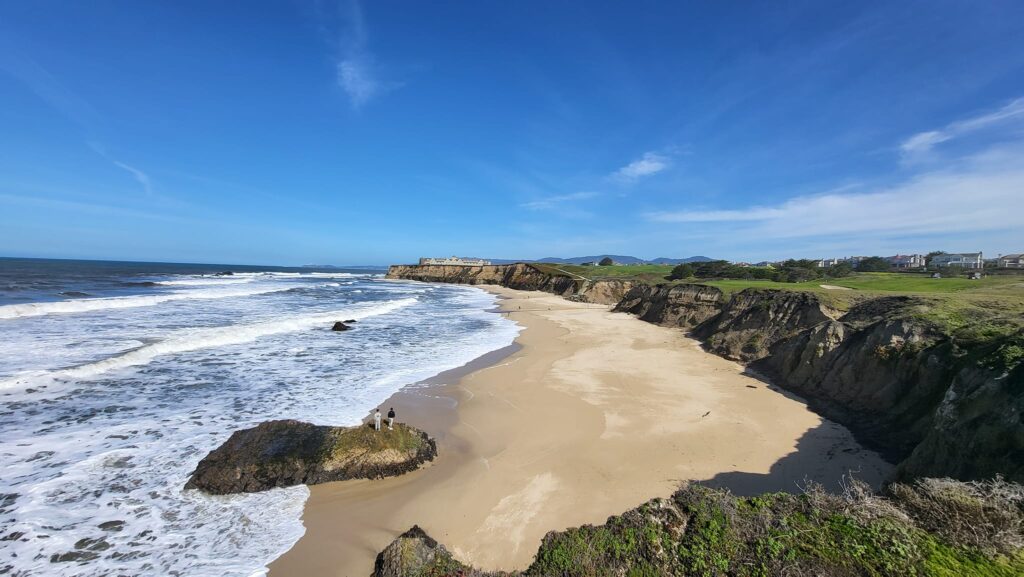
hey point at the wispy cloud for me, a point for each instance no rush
(48, 87)
(648, 164)
(141, 177)
(975, 195)
(557, 202)
(920, 144)
(358, 72)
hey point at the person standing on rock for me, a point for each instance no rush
(376, 420)
(391, 419)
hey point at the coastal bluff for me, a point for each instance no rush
(286, 452)
(938, 403)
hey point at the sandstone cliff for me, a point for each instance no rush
(518, 276)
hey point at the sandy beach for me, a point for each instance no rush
(591, 413)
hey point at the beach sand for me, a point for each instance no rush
(590, 414)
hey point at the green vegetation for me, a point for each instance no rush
(364, 439)
(936, 527)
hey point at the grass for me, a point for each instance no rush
(364, 438)
(992, 307)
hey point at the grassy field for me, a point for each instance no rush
(991, 306)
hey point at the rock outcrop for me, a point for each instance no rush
(340, 326)
(414, 553)
(683, 305)
(285, 453)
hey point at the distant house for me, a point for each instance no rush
(454, 261)
(765, 264)
(828, 262)
(906, 261)
(1011, 261)
(853, 261)
(972, 260)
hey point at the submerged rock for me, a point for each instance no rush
(286, 453)
(340, 326)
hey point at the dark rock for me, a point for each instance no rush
(286, 453)
(349, 321)
(340, 326)
(415, 553)
(112, 525)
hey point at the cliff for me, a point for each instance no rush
(939, 405)
(701, 531)
(519, 276)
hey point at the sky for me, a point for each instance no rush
(301, 132)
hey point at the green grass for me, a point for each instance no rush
(977, 310)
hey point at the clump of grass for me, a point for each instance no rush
(983, 515)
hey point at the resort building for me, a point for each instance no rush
(960, 259)
(906, 261)
(1011, 261)
(454, 261)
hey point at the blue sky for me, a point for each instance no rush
(300, 132)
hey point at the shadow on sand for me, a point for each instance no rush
(823, 455)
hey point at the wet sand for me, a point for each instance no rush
(591, 413)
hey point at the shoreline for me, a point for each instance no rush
(587, 414)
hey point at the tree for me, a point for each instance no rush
(606, 261)
(928, 257)
(840, 270)
(681, 271)
(874, 264)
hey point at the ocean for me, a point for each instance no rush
(117, 378)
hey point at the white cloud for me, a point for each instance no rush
(357, 71)
(918, 145)
(553, 202)
(141, 177)
(648, 164)
(979, 194)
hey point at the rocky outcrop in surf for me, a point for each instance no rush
(285, 453)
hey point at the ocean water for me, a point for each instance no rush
(117, 378)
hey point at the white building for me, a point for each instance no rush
(960, 259)
(1011, 261)
(454, 261)
(907, 261)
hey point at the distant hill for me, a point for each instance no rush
(621, 259)
(665, 260)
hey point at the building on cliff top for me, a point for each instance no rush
(454, 261)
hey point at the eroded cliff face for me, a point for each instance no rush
(685, 305)
(752, 321)
(519, 276)
(977, 430)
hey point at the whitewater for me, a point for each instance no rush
(109, 398)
